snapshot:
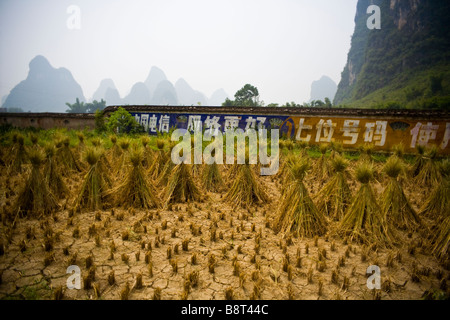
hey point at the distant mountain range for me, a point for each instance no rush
(47, 89)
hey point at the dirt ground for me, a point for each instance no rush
(237, 254)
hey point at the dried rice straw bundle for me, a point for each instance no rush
(437, 205)
(303, 146)
(246, 189)
(52, 173)
(322, 169)
(35, 198)
(364, 221)
(116, 152)
(336, 149)
(297, 212)
(19, 154)
(124, 144)
(394, 204)
(398, 151)
(95, 184)
(34, 139)
(81, 139)
(419, 162)
(135, 191)
(67, 158)
(335, 196)
(181, 186)
(441, 241)
(366, 152)
(285, 172)
(211, 177)
(160, 159)
(147, 157)
(196, 168)
(96, 142)
(428, 176)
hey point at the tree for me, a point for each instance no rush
(77, 107)
(314, 104)
(95, 105)
(328, 103)
(228, 103)
(100, 124)
(247, 96)
(292, 105)
(121, 121)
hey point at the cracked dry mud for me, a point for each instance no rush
(31, 272)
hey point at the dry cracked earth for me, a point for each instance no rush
(205, 250)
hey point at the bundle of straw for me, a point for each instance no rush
(35, 197)
(245, 189)
(442, 240)
(297, 212)
(160, 159)
(322, 169)
(19, 154)
(303, 146)
(52, 173)
(437, 205)
(419, 162)
(135, 191)
(211, 177)
(181, 186)
(147, 158)
(366, 152)
(95, 184)
(363, 220)
(394, 204)
(116, 152)
(428, 175)
(67, 158)
(336, 149)
(335, 196)
(124, 144)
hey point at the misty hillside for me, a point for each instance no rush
(45, 89)
(188, 96)
(217, 98)
(139, 94)
(155, 76)
(323, 88)
(404, 64)
(165, 94)
(100, 93)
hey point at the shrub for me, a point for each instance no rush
(121, 121)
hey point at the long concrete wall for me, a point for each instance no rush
(351, 127)
(49, 120)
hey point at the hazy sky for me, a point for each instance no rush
(278, 46)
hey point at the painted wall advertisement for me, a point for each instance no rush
(383, 134)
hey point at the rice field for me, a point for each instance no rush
(140, 227)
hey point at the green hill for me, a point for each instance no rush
(405, 64)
